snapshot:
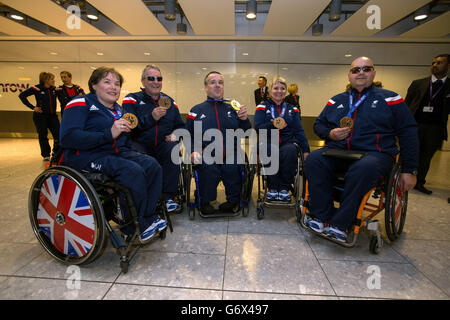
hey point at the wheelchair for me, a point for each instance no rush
(247, 177)
(388, 197)
(296, 188)
(71, 214)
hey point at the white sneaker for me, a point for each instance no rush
(272, 194)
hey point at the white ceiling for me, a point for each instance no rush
(224, 19)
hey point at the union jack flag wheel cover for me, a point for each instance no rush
(63, 218)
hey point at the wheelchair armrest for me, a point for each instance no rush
(344, 154)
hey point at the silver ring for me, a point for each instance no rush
(121, 126)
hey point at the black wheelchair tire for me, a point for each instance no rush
(91, 197)
(395, 220)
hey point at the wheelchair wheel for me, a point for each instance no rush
(260, 212)
(375, 245)
(66, 216)
(395, 206)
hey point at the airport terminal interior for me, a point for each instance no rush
(309, 42)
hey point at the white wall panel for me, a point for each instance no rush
(319, 68)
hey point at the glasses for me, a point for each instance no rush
(356, 70)
(151, 78)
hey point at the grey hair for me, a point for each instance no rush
(147, 67)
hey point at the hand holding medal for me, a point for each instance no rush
(346, 122)
(132, 119)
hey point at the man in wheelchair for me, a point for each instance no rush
(158, 116)
(215, 113)
(94, 138)
(366, 119)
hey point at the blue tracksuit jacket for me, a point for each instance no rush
(377, 122)
(150, 132)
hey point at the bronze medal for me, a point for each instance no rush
(279, 123)
(236, 105)
(132, 119)
(346, 122)
(164, 102)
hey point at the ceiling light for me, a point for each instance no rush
(169, 12)
(53, 53)
(91, 13)
(245, 53)
(421, 13)
(146, 53)
(251, 10)
(16, 17)
(348, 55)
(99, 53)
(335, 10)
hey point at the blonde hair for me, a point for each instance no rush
(276, 79)
(292, 88)
(44, 76)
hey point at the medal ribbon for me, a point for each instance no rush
(117, 114)
(356, 105)
(283, 111)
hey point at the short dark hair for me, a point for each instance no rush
(209, 73)
(263, 78)
(66, 72)
(444, 55)
(101, 73)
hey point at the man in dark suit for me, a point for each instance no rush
(429, 101)
(261, 94)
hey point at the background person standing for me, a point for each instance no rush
(262, 93)
(429, 101)
(44, 115)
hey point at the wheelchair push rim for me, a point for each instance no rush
(66, 215)
(396, 205)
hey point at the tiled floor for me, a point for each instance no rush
(238, 258)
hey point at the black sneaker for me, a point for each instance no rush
(208, 209)
(229, 207)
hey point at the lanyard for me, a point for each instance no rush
(117, 113)
(356, 105)
(432, 96)
(283, 111)
(217, 100)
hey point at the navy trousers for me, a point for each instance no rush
(284, 179)
(141, 174)
(42, 122)
(170, 170)
(209, 176)
(360, 176)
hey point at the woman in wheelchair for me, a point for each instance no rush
(275, 113)
(95, 138)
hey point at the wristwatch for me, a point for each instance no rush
(414, 172)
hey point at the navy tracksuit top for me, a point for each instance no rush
(150, 132)
(294, 130)
(377, 122)
(86, 131)
(215, 114)
(45, 98)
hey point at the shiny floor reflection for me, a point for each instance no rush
(236, 258)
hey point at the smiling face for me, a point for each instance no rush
(152, 87)
(214, 86)
(278, 92)
(108, 90)
(361, 79)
